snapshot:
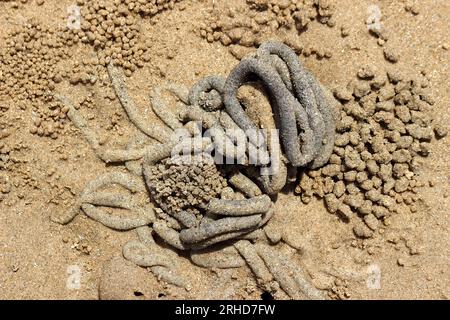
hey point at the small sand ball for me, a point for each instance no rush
(185, 183)
(391, 55)
(440, 130)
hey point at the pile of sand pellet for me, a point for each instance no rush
(175, 185)
(253, 22)
(112, 27)
(384, 131)
(29, 60)
(29, 72)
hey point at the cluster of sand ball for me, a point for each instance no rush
(176, 185)
(149, 8)
(85, 72)
(9, 154)
(383, 132)
(5, 125)
(247, 25)
(49, 121)
(15, 4)
(112, 28)
(29, 60)
(30, 71)
(4, 155)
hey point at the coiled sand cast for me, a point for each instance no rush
(215, 212)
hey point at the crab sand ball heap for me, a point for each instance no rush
(193, 202)
(384, 132)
